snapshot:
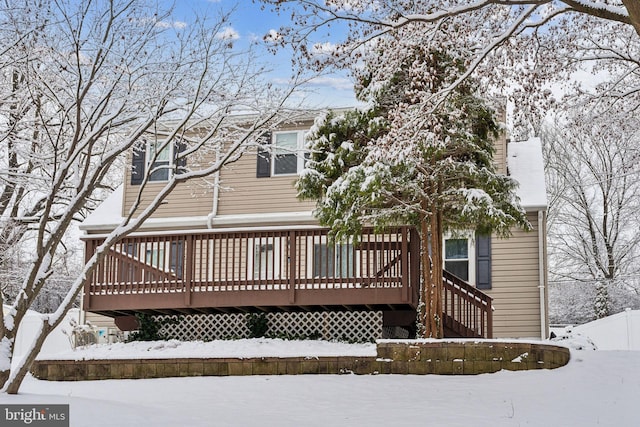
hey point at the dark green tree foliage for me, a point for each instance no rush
(258, 325)
(149, 327)
(337, 143)
(412, 158)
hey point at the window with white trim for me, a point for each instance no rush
(263, 261)
(155, 257)
(470, 259)
(333, 260)
(286, 155)
(264, 257)
(159, 158)
(459, 258)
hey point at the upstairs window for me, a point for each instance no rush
(286, 156)
(159, 159)
(285, 147)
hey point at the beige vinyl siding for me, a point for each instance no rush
(500, 144)
(187, 199)
(99, 320)
(515, 280)
(243, 193)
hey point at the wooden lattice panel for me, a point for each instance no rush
(355, 326)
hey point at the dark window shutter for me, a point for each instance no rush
(263, 168)
(180, 162)
(138, 163)
(483, 262)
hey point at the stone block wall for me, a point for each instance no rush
(414, 357)
(472, 357)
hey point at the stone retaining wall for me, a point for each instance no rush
(471, 357)
(394, 357)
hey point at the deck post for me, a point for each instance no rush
(489, 320)
(415, 249)
(293, 256)
(89, 250)
(188, 270)
(404, 250)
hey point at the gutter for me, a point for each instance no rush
(542, 274)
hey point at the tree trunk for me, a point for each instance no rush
(4, 376)
(10, 341)
(601, 304)
(427, 284)
(432, 286)
(436, 272)
(14, 385)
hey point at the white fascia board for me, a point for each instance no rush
(223, 223)
(263, 218)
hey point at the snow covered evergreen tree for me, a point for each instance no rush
(412, 158)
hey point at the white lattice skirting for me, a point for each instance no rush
(353, 326)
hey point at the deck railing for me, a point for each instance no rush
(468, 312)
(226, 270)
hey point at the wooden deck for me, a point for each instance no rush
(272, 270)
(266, 270)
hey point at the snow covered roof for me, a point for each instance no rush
(525, 164)
(107, 215)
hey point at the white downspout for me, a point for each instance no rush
(216, 194)
(542, 275)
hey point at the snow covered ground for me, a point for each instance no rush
(596, 388)
(261, 347)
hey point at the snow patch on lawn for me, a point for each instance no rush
(242, 348)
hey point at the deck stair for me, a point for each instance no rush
(468, 312)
